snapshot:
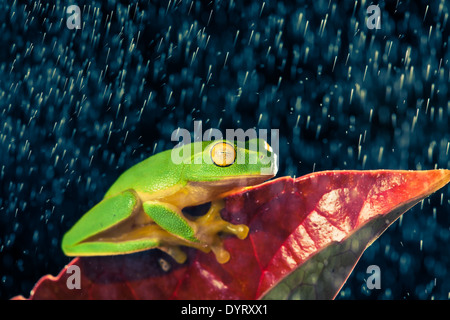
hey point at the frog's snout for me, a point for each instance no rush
(272, 168)
(274, 164)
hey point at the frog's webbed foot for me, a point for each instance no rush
(202, 233)
(211, 225)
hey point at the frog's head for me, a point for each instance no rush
(228, 165)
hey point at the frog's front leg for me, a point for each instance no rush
(211, 224)
(201, 233)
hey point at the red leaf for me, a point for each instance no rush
(306, 235)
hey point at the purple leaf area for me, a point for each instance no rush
(306, 235)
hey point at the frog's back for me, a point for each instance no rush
(152, 175)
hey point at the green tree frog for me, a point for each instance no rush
(143, 208)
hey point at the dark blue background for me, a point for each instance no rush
(79, 107)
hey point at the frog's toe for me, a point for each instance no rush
(175, 252)
(222, 255)
(239, 230)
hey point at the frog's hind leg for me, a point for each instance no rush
(114, 226)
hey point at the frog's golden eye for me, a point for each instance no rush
(223, 154)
